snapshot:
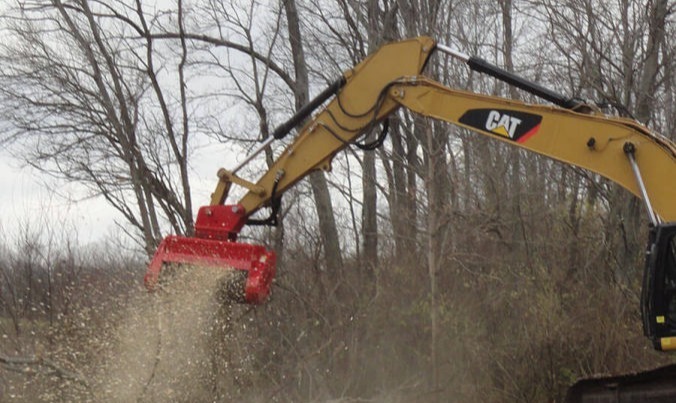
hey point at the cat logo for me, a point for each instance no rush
(502, 124)
(514, 125)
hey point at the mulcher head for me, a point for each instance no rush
(214, 245)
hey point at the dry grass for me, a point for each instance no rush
(506, 333)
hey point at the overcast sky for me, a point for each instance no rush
(23, 199)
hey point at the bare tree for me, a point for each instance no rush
(98, 113)
(320, 189)
(617, 56)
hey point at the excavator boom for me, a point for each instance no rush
(572, 132)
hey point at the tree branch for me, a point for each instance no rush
(232, 45)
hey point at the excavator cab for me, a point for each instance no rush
(658, 299)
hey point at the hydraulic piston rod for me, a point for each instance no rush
(630, 150)
(482, 66)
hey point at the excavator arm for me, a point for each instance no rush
(572, 132)
(595, 142)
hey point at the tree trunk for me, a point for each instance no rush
(433, 249)
(648, 83)
(403, 228)
(631, 211)
(370, 197)
(320, 189)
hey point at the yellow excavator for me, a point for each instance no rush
(571, 131)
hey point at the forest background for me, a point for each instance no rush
(440, 266)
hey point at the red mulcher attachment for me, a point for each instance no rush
(215, 245)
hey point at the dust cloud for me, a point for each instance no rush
(162, 346)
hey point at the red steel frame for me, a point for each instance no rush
(214, 245)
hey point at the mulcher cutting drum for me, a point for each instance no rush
(214, 245)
